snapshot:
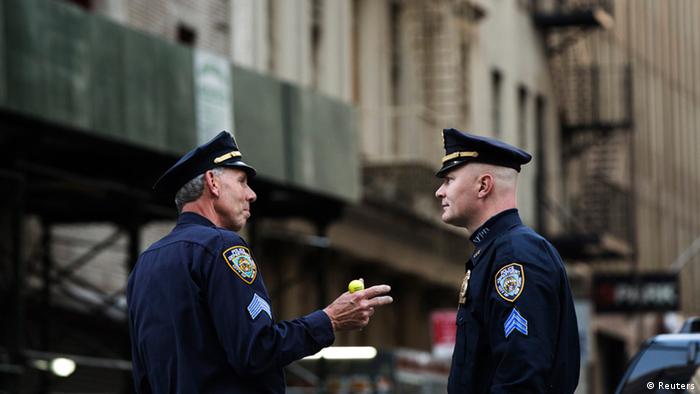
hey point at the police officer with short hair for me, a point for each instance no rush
(516, 324)
(199, 313)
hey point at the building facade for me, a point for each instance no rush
(353, 96)
(629, 114)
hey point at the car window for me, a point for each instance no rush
(664, 368)
(658, 356)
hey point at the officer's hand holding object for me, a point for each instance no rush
(351, 311)
(356, 285)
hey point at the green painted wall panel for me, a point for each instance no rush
(340, 157)
(3, 56)
(70, 67)
(144, 95)
(178, 86)
(322, 148)
(259, 122)
(25, 76)
(63, 65)
(300, 139)
(107, 78)
(67, 64)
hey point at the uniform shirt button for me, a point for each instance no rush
(460, 320)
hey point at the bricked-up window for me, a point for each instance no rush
(186, 35)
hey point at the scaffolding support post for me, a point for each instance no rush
(13, 339)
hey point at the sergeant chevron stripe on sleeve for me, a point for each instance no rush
(257, 305)
(515, 322)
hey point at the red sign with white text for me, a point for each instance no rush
(444, 330)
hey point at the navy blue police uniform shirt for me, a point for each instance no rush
(516, 324)
(200, 317)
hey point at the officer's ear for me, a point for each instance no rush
(212, 183)
(485, 183)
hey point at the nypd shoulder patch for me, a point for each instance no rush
(510, 281)
(239, 260)
(515, 322)
(257, 305)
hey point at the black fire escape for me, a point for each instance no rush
(594, 103)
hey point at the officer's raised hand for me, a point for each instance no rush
(351, 311)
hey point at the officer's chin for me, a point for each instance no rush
(236, 227)
(446, 218)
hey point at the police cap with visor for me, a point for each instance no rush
(220, 151)
(462, 148)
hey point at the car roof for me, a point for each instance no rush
(675, 338)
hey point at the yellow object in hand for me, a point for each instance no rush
(356, 285)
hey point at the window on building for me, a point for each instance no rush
(540, 115)
(522, 116)
(541, 161)
(186, 35)
(355, 57)
(84, 4)
(496, 82)
(271, 35)
(464, 78)
(316, 36)
(395, 12)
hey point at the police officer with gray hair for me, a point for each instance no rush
(516, 325)
(200, 317)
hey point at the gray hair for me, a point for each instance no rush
(193, 189)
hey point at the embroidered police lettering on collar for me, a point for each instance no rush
(481, 234)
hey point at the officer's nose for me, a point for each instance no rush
(440, 193)
(251, 195)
